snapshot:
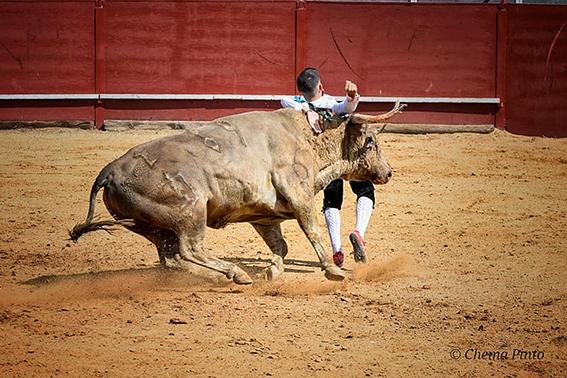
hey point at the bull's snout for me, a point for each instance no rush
(387, 177)
(383, 177)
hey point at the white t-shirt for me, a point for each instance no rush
(324, 102)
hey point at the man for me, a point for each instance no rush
(310, 86)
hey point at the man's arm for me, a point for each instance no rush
(294, 102)
(349, 104)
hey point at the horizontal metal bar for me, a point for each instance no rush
(434, 100)
(145, 96)
(408, 2)
(425, 100)
(127, 96)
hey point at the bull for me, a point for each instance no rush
(257, 167)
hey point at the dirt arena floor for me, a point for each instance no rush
(468, 273)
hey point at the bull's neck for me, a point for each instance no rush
(332, 159)
(329, 147)
(332, 172)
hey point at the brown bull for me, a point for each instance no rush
(258, 167)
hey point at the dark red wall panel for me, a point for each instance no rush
(46, 47)
(181, 109)
(81, 110)
(537, 70)
(208, 110)
(442, 50)
(452, 114)
(200, 47)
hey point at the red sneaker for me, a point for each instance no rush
(338, 258)
(358, 246)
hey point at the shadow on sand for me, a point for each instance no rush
(256, 266)
(173, 278)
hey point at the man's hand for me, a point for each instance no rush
(351, 90)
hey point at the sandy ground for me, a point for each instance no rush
(467, 275)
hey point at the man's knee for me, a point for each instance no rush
(363, 189)
(333, 195)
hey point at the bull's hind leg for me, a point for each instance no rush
(272, 235)
(168, 247)
(191, 233)
(165, 241)
(191, 249)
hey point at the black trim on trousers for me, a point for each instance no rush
(333, 193)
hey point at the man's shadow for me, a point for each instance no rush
(258, 265)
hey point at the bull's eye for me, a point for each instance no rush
(369, 144)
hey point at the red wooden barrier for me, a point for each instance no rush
(257, 47)
(419, 50)
(537, 66)
(200, 47)
(190, 110)
(46, 47)
(427, 50)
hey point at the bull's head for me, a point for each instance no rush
(363, 150)
(361, 147)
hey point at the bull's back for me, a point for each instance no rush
(227, 163)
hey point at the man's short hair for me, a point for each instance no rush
(308, 80)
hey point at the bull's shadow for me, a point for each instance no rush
(163, 278)
(158, 277)
(85, 276)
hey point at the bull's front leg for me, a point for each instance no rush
(308, 224)
(296, 187)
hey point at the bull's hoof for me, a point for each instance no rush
(173, 264)
(239, 276)
(273, 273)
(334, 273)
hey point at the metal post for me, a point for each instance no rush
(299, 37)
(501, 62)
(99, 62)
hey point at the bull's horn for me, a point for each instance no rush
(363, 118)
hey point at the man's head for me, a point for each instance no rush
(309, 84)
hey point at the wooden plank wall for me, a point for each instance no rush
(257, 47)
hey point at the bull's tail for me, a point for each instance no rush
(88, 225)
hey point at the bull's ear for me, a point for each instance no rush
(357, 129)
(363, 118)
(334, 121)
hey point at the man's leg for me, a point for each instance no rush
(332, 202)
(364, 191)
